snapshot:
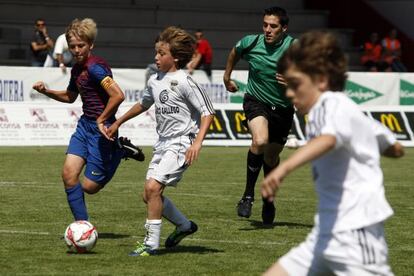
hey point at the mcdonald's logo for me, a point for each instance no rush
(391, 122)
(216, 125)
(239, 117)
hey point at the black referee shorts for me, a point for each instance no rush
(279, 118)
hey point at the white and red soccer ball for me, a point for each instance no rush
(81, 236)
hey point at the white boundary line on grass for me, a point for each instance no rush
(188, 239)
(24, 232)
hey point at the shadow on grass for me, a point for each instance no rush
(257, 224)
(188, 249)
(112, 236)
(81, 254)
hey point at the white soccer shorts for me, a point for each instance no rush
(168, 162)
(355, 252)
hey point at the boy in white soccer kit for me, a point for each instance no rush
(183, 114)
(344, 146)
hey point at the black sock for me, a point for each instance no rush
(266, 170)
(254, 165)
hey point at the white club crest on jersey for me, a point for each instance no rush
(164, 96)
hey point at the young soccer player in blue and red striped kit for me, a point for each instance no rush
(91, 77)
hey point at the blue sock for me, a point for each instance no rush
(76, 202)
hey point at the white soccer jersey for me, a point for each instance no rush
(179, 103)
(348, 179)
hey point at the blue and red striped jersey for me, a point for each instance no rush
(86, 80)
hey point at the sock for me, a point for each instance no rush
(76, 200)
(254, 164)
(172, 214)
(152, 238)
(266, 170)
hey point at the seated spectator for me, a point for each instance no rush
(61, 54)
(203, 55)
(391, 47)
(372, 56)
(41, 44)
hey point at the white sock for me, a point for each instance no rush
(171, 213)
(152, 238)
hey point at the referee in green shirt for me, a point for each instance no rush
(268, 112)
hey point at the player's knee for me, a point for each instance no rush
(69, 178)
(260, 142)
(91, 187)
(152, 189)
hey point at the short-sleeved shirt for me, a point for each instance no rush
(349, 179)
(40, 39)
(62, 48)
(263, 59)
(204, 48)
(179, 103)
(86, 79)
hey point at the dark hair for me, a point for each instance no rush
(181, 44)
(279, 12)
(317, 53)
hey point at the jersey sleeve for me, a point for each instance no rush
(198, 98)
(244, 43)
(147, 98)
(99, 72)
(335, 121)
(385, 137)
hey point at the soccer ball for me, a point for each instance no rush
(81, 236)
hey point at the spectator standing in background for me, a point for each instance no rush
(203, 55)
(372, 56)
(392, 52)
(41, 44)
(61, 53)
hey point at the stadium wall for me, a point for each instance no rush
(29, 118)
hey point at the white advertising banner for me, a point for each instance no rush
(363, 87)
(29, 118)
(407, 89)
(37, 124)
(373, 88)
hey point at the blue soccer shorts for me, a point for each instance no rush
(101, 155)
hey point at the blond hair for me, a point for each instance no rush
(85, 29)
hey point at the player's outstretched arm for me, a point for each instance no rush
(396, 150)
(312, 150)
(64, 96)
(232, 60)
(388, 144)
(192, 153)
(131, 113)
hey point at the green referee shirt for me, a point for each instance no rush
(262, 59)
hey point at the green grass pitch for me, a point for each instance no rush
(34, 214)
